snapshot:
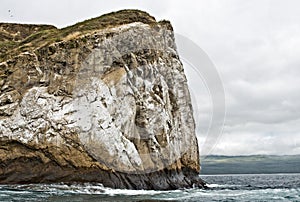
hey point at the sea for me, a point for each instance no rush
(241, 187)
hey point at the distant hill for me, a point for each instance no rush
(256, 164)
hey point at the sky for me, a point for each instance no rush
(254, 45)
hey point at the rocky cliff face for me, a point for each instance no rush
(105, 100)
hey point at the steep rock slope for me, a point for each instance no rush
(105, 100)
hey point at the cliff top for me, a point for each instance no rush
(17, 38)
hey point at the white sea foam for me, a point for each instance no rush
(213, 185)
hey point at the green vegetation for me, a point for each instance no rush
(5, 46)
(42, 35)
(110, 20)
(47, 34)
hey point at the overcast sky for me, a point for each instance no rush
(255, 46)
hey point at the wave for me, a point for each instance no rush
(85, 188)
(220, 188)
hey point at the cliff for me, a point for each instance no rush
(105, 100)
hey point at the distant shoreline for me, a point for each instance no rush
(252, 164)
(254, 174)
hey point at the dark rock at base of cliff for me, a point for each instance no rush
(32, 170)
(28, 165)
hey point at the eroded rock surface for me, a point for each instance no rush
(103, 102)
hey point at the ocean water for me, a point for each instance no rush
(258, 187)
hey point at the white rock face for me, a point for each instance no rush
(128, 102)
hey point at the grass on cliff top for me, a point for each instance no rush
(18, 32)
(110, 20)
(48, 36)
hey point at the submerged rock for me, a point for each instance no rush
(105, 100)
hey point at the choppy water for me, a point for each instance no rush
(278, 187)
